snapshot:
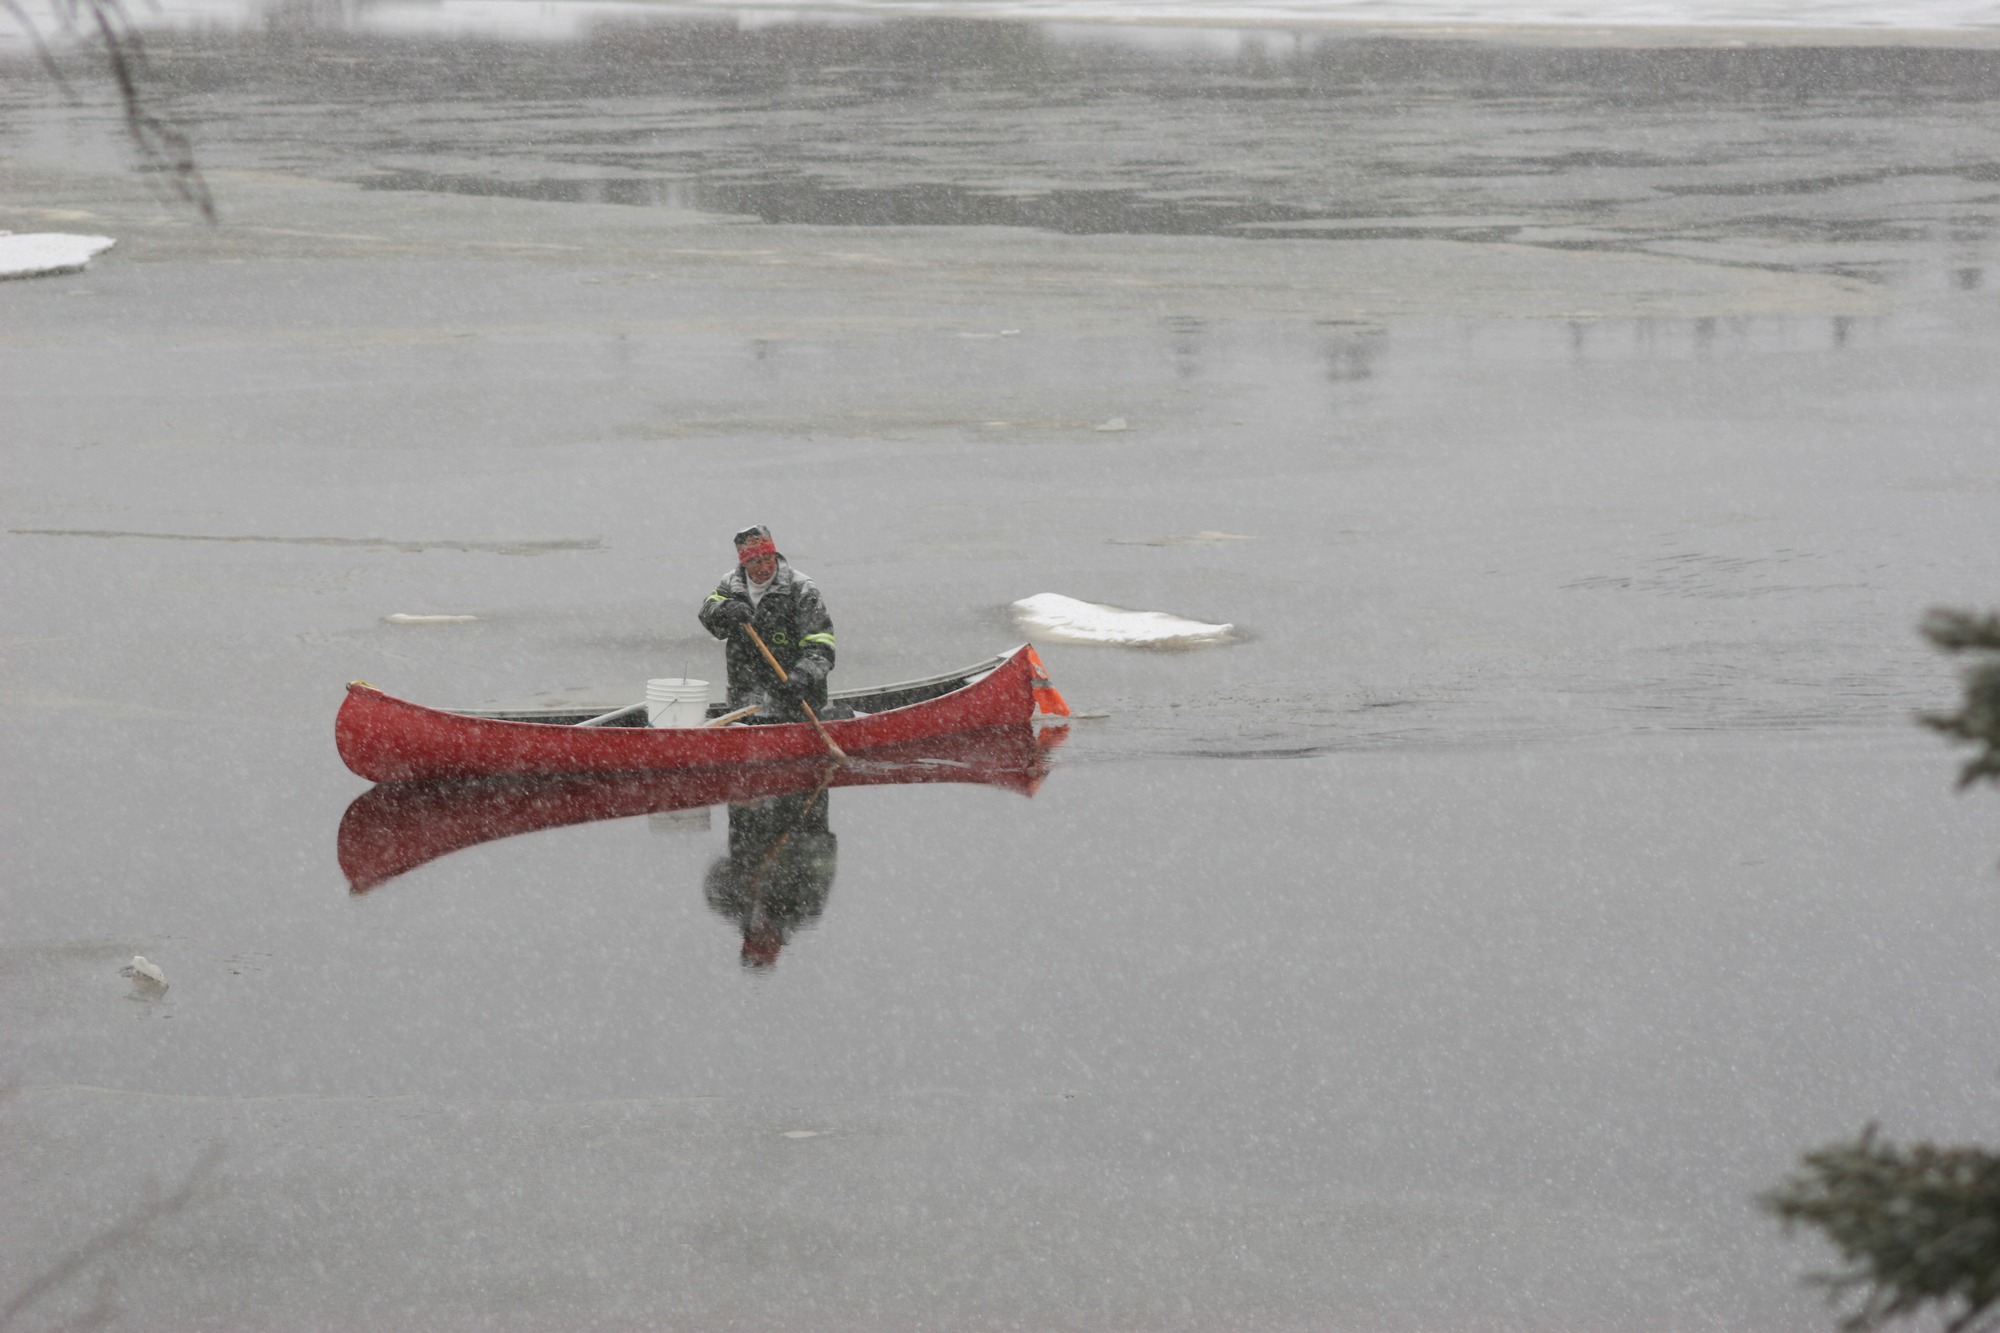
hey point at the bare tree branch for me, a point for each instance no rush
(42, 52)
(98, 1246)
(164, 149)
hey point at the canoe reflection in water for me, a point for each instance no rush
(782, 852)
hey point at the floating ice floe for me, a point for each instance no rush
(35, 254)
(147, 978)
(1203, 538)
(404, 618)
(1050, 615)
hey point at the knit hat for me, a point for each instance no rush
(754, 541)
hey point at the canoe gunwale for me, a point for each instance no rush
(852, 698)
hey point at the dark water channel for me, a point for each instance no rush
(1548, 859)
(943, 122)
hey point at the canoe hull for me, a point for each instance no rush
(386, 739)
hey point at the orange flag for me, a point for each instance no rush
(1047, 699)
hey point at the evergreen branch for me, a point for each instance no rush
(1977, 721)
(1915, 1227)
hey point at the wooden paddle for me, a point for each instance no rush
(811, 716)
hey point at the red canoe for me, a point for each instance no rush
(399, 826)
(386, 739)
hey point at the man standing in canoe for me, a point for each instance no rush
(764, 593)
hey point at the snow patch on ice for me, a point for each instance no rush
(34, 254)
(1049, 615)
(1206, 537)
(147, 978)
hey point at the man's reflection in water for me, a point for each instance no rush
(778, 872)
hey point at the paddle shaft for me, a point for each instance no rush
(807, 708)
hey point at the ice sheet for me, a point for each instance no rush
(1051, 615)
(36, 254)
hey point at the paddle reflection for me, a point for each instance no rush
(782, 851)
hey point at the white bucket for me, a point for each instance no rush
(674, 702)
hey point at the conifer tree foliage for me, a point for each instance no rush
(1977, 720)
(1917, 1227)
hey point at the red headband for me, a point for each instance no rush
(751, 550)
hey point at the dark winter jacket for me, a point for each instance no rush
(794, 625)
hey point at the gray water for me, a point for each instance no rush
(1548, 863)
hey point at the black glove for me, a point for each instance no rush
(733, 612)
(803, 676)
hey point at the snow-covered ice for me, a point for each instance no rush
(1051, 615)
(146, 976)
(38, 253)
(1206, 537)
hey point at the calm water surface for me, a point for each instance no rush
(1546, 864)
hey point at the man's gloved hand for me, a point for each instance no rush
(733, 612)
(803, 677)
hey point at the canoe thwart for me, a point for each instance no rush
(606, 719)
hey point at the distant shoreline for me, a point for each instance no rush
(1636, 35)
(541, 20)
